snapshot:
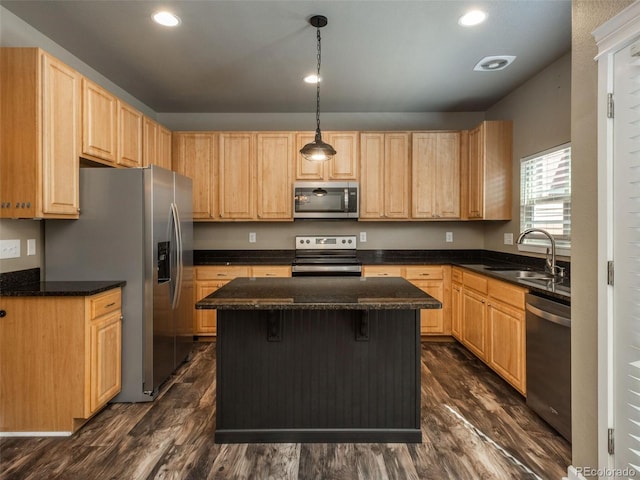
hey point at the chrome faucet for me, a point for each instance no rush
(550, 263)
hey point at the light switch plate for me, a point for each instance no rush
(363, 236)
(9, 248)
(31, 246)
(508, 238)
(252, 237)
(448, 237)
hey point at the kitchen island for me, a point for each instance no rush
(318, 359)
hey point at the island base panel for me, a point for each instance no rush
(318, 376)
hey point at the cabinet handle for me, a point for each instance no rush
(221, 274)
(3, 313)
(270, 275)
(424, 274)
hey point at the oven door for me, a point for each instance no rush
(325, 200)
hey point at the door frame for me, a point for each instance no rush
(611, 37)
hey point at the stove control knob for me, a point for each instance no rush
(344, 241)
(308, 241)
(301, 241)
(349, 240)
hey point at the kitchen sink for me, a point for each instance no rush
(525, 274)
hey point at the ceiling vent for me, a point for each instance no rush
(491, 64)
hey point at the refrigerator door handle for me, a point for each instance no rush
(177, 231)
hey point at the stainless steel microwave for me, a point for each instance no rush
(325, 199)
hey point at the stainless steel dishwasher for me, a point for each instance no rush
(549, 361)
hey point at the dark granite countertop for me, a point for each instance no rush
(318, 293)
(59, 289)
(481, 261)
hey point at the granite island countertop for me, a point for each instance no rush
(60, 288)
(319, 293)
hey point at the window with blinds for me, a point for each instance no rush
(545, 196)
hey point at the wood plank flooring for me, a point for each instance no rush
(474, 427)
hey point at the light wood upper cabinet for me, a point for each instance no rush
(435, 175)
(237, 164)
(156, 144)
(40, 128)
(343, 166)
(489, 171)
(129, 136)
(385, 171)
(99, 123)
(194, 156)
(275, 152)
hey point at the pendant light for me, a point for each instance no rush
(318, 151)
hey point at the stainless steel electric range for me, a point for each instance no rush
(326, 255)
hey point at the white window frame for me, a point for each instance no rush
(527, 246)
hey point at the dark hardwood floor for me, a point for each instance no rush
(474, 427)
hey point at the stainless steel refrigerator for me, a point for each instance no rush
(135, 225)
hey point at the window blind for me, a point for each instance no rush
(545, 195)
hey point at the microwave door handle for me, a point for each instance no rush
(346, 199)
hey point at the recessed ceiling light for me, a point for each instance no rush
(471, 18)
(312, 78)
(491, 64)
(165, 18)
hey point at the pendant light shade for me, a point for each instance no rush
(318, 151)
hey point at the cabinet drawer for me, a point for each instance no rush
(104, 303)
(456, 275)
(271, 271)
(382, 271)
(222, 272)
(478, 283)
(423, 272)
(507, 293)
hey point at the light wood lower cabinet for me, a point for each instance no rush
(456, 303)
(489, 319)
(60, 360)
(434, 280)
(208, 279)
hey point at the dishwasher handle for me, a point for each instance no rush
(552, 317)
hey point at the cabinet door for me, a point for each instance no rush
(446, 176)
(305, 169)
(99, 122)
(61, 113)
(206, 319)
(237, 182)
(372, 176)
(424, 153)
(164, 148)
(274, 186)
(432, 320)
(506, 353)
(475, 173)
(344, 165)
(150, 142)
(456, 310)
(194, 156)
(397, 171)
(129, 136)
(106, 354)
(474, 323)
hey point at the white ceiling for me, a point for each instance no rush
(250, 56)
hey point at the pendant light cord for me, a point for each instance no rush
(318, 85)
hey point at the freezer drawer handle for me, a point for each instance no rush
(559, 319)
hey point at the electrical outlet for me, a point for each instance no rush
(9, 248)
(448, 237)
(252, 237)
(508, 238)
(31, 246)
(363, 236)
